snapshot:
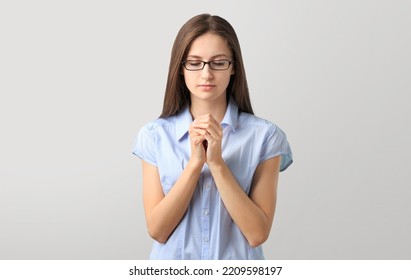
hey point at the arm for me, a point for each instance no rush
(252, 214)
(164, 212)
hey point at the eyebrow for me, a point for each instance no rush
(211, 58)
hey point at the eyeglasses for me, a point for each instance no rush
(197, 65)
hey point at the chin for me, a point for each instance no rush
(207, 95)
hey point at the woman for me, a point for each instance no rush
(210, 167)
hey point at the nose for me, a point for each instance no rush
(206, 73)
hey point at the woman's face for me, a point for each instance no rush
(208, 84)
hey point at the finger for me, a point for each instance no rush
(196, 130)
(212, 127)
(215, 132)
(197, 137)
(199, 131)
(206, 124)
(205, 118)
(199, 141)
(212, 138)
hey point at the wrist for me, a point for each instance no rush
(216, 166)
(195, 164)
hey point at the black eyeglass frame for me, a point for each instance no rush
(209, 64)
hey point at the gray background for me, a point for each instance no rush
(79, 78)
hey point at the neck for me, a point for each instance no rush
(201, 107)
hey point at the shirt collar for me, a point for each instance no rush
(183, 122)
(231, 114)
(184, 118)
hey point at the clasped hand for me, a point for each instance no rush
(205, 136)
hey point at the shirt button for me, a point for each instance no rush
(207, 186)
(205, 212)
(205, 239)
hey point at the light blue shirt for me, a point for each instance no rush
(206, 230)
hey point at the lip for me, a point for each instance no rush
(206, 86)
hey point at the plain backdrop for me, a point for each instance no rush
(78, 79)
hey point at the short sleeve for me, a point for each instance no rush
(144, 145)
(276, 144)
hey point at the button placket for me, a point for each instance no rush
(205, 205)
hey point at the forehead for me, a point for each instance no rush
(209, 45)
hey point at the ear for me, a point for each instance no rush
(232, 69)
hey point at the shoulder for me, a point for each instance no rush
(250, 121)
(251, 124)
(148, 135)
(157, 125)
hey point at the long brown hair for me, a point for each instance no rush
(177, 95)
